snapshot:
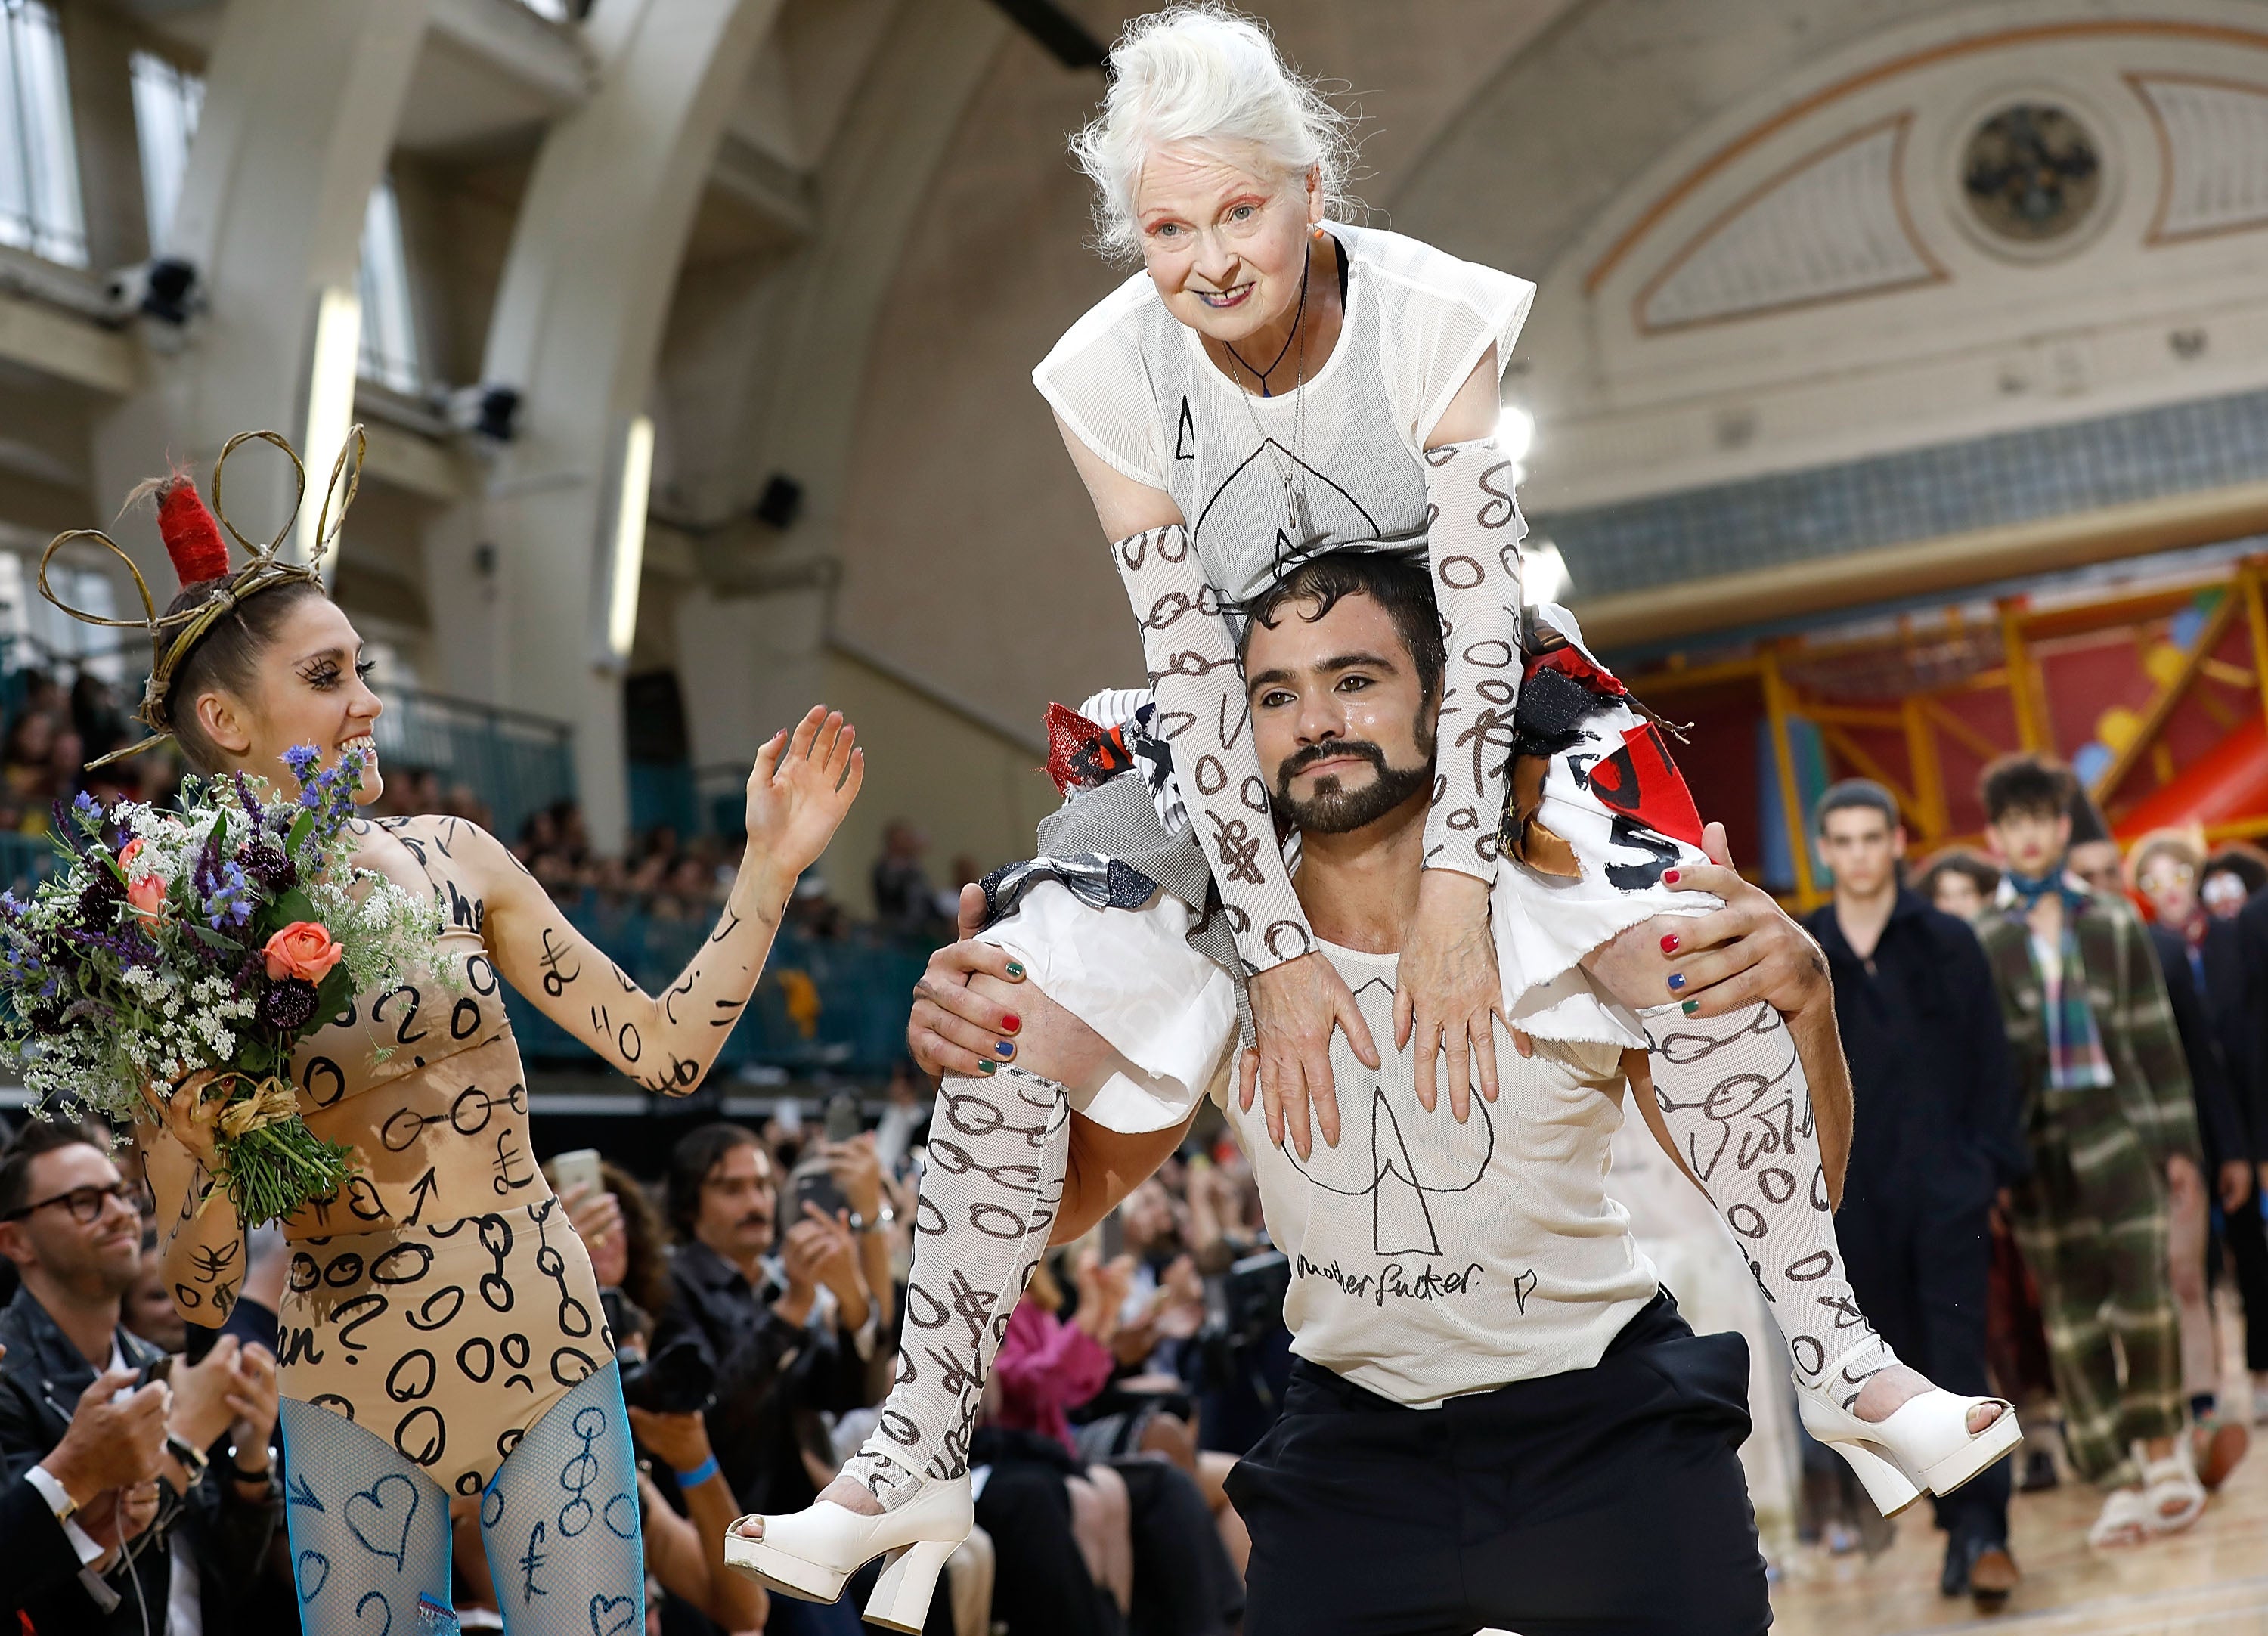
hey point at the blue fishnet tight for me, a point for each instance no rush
(559, 1520)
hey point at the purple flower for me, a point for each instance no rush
(228, 903)
(251, 805)
(301, 759)
(289, 1004)
(265, 862)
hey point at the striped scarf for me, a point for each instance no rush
(2076, 1059)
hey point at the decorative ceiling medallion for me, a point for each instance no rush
(2032, 173)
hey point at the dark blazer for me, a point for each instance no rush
(773, 1377)
(40, 1381)
(2252, 1062)
(1933, 1089)
(2217, 1124)
(40, 1560)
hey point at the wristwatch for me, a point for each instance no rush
(236, 1469)
(193, 1459)
(882, 1218)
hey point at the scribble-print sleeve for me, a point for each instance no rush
(1474, 530)
(1191, 649)
(664, 1043)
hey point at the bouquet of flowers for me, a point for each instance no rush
(204, 944)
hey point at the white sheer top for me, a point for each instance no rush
(1134, 384)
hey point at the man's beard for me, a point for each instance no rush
(1334, 809)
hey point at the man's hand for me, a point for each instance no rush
(254, 1403)
(118, 1516)
(821, 1249)
(1717, 962)
(1449, 995)
(201, 1393)
(1295, 1006)
(113, 1441)
(2235, 1185)
(857, 1172)
(955, 1028)
(681, 1439)
(597, 1217)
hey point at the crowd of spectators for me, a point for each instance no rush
(52, 731)
(756, 1288)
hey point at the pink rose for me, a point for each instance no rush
(147, 895)
(131, 851)
(303, 949)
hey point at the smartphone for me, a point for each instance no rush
(844, 1119)
(817, 1186)
(579, 1169)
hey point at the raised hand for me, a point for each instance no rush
(801, 787)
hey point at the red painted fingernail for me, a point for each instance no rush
(1669, 943)
(1011, 1023)
(1669, 876)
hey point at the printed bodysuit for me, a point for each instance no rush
(441, 1302)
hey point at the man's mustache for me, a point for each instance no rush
(1300, 761)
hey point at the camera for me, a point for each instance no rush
(679, 1378)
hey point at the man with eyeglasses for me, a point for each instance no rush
(160, 1488)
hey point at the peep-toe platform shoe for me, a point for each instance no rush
(1923, 1448)
(812, 1554)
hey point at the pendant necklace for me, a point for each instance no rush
(1299, 520)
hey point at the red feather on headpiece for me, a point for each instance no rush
(191, 535)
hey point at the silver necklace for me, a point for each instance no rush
(1299, 520)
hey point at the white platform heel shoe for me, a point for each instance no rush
(1923, 1448)
(812, 1554)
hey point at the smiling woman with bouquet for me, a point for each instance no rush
(320, 1019)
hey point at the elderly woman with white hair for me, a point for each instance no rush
(1274, 385)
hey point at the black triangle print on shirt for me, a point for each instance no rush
(1185, 435)
(1249, 506)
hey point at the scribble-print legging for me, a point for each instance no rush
(559, 1520)
(1733, 1092)
(989, 1188)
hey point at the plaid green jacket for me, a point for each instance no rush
(2128, 993)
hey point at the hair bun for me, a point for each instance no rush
(191, 535)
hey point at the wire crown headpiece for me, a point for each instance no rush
(198, 554)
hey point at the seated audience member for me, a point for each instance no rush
(786, 1319)
(1958, 882)
(149, 1309)
(72, 1226)
(1148, 1532)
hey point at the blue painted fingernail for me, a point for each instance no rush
(1676, 981)
(1015, 968)
(1006, 1048)
(1690, 1008)
(986, 1067)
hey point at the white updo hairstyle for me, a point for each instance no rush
(1202, 75)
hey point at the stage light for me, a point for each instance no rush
(331, 370)
(626, 555)
(1544, 576)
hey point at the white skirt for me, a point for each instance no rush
(1129, 975)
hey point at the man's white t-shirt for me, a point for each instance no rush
(1431, 1259)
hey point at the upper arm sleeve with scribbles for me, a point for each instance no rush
(1190, 649)
(1474, 532)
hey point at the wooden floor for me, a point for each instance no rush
(2212, 1579)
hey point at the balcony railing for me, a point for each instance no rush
(834, 1006)
(517, 764)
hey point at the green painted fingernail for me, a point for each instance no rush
(988, 1067)
(1015, 968)
(1690, 1007)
